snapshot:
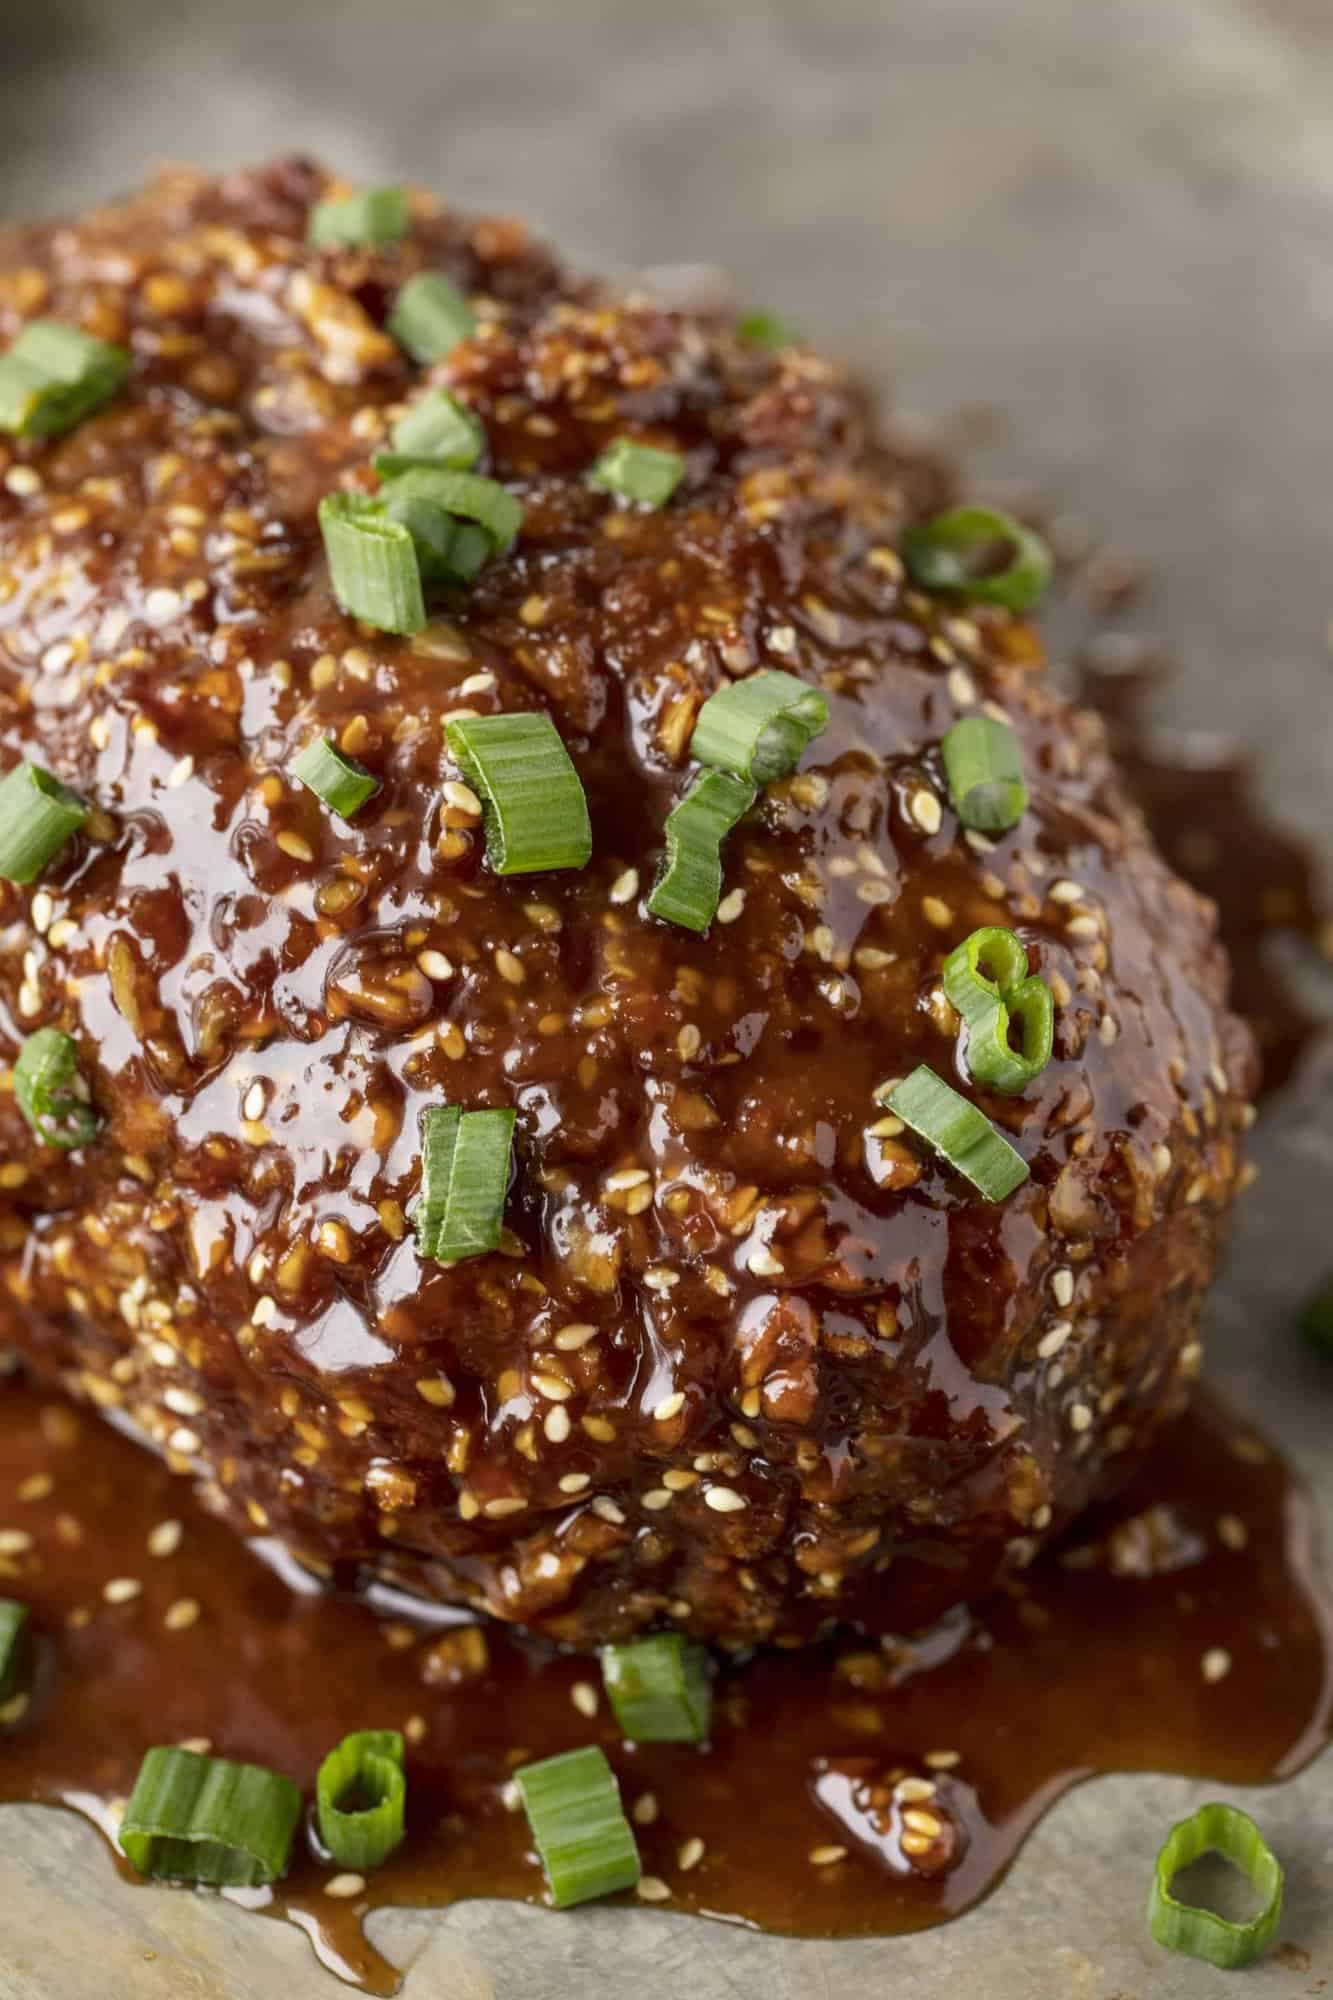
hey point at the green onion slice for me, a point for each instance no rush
(535, 811)
(981, 552)
(689, 888)
(360, 1798)
(13, 1637)
(959, 1132)
(376, 215)
(1317, 1319)
(759, 727)
(766, 329)
(37, 816)
(464, 1180)
(54, 376)
(984, 769)
(987, 979)
(660, 1688)
(586, 1844)
(463, 495)
(437, 430)
(638, 472)
(372, 563)
(340, 782)
(430, 316)
(201, 1819)
(470, 548)
(1225, 1830)
(47, 1087)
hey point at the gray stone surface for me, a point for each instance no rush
(1112, 223)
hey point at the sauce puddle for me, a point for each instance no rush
(1182, 1629)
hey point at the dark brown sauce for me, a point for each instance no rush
(1206, 1563)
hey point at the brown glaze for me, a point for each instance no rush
(751, 1360)
(1206, 1563)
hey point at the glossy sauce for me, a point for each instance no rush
(1207, 1559)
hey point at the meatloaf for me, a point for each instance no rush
(750, 1357)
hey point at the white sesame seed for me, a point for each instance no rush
(556, 1425)
(690, 1853)
(183, 1401)
(1080, 1417)
(43, 909)
(121, 1589)
(584, 1697)
(182, 1614)
(161, 605)
(1054, 1338)
(625, 887)
(943, 1760)
(23, 480)
(343, 1886)
(165, 1538)
(669, 1407)
(1062, 1286)
(575, 1482)
(825, 1857)
(435, 965)
(1083, 927)
(180, 773)
(627, 1177)
(462, 798)
(183, 1441)
(498, 1510)
(1215, 1664)
(926, 810)
(652, 1889)
(577, 1334)
(477, 684)
(731, 906)
(1066, 891)
(252, 1104)
(14, 1542)
(1232, 1531)
(1108, 1030)
(725, 1500)
(656, 1499)
(1161, 1160)
(914, 1791)
(644, 1810)
(551, 1386)
(607, 1510)
(764, 1263)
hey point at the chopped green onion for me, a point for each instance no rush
(48, 1064)
(430, 316)
(468, 551)
(37, 816)
(372, 563)
(984, 768)
(586, 1844)
(766, 329)
(360, 1798)
(638, 472)
(987, 979)
(1224, 1830)
(342, 783)
(464, 1181)
(958, 1131)
(660, 1688)
(54, 376)
(376, 215)
(463, 495)
(689, 888)
(201, 1819)
(1317, 1319)
(761, 726)
(958, 551)
(437, 430)
(535, 811)
(13, 1639)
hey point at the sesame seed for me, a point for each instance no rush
(462, 798)
(725, 1500)
(575, 1482)
(1161, 1160)
(551, 1386)
(914, 1791)
(252, 1105)
(1083, 927)
(557, 1426)
(825, 1857)
(625, 887)
(23, 480)
(962, 688)
(731, 906)
(669, 1407)
(295, 846)
(182, 1614)
(1054, 1339)
(644, 1810)
(925, 809)
(628, 1177)
(180, 773)
(509, 967)
(688, 1042)
(1062, 1286)
(15, 1708)
(435, 965)
(161, 605)
(497, 1510)
(183, 1441)
(943, 1760)
(1215, 1664)
(922, 1822)
(584, 1697)
(658, 1498)
(652, 1889)
(343, 1886)
(1080, 1417)
(1066, 891)
(690, 1853)
(577, 1334)
(43, 909)
(37, 1487)
(183, 1401)
(936, 912)
(764, 1263)
(121, 1589)
(1232, 1531)
(14, 1542)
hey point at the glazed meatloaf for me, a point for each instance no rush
(751, 1354)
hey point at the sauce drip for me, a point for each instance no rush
(1191, 1606)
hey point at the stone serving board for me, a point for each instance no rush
(1112, 225)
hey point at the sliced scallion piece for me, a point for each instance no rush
(342, 783)
(638, 472)
(46, 1087)
(430, 316)
(470, 548)
(660, 1688)
(361, 1797)
(13, 1636)
(586, 1844)
(987, 979)
(37, 816)
(436, 430)
(535, 812)
(372, 563)
(984, 768)
(981, 552)
(375, 215)
(464, 1180)
(202, 1819)
(1317, 1319)
(689, 888)
(54, 376)
(959, 1132)
(1225, 1830)
(760, 727)
(766, 329)
(465, 495)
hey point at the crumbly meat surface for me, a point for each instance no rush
(750, 1358)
